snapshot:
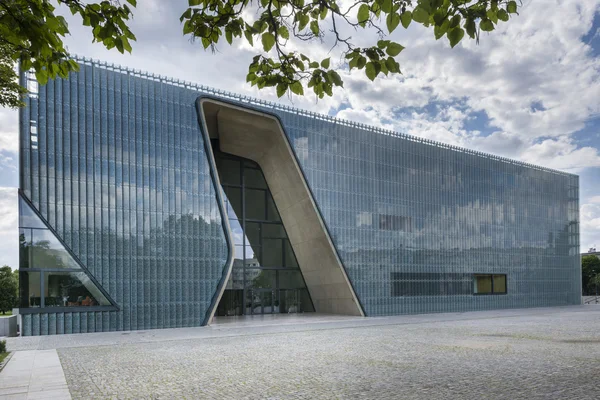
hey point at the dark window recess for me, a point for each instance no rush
(489, 284)
(430, 284)
(395, 223)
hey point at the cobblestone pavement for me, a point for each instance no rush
(529, 356)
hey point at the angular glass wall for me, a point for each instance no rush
(115, 163)
(265, 278)
(49, 277)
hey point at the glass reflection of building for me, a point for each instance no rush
(265, 276)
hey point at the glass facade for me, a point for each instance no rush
(402, 212)
(117, 164)
(49, 276)
(265, 276)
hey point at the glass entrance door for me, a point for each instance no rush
(265, 267)
(264, 302)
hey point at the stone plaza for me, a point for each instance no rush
(537, 353)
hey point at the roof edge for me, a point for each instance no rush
(281, 107)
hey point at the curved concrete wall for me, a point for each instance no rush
(260, 137)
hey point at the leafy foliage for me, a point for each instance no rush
(272, 22)
(590, 273)
(8, 289)
(31, 33)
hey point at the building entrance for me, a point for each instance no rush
(265, 278)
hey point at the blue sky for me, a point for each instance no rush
(529, 91)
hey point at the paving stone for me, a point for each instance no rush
(551, 354)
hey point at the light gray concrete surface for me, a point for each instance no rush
(545, 353)
(34, 374)
(8, 326)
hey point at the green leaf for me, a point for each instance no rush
(313, 64)
(353, 63)
(297, 88)
(284, 32)
(455, 35)
(323, 13)
(325, 63)
(471, 28)
(250, 77)
(382, 44)
(314, 27)
(454, 22)
(360, 64)
(420, 15)
(186, 15)
(392, 21)
(486, 25)
(132, 2)
(406, 18)
(372, 70)
(491, 14)
(511, 7)
(302, 21)
(228, 36)
(502, 15)
(249, 38)
(281, 88)
(268, 41)
(363, 13)
(440, 30)
(193, 3)
(392, 65)
(394, 49)
(335, 78)
(386, 6)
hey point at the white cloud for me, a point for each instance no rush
(9, 130)
(590, 225)
(9, 231)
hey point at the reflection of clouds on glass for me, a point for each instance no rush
(301, 147)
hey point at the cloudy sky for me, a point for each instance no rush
(529, 91)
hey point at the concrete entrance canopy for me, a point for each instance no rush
(260, 137)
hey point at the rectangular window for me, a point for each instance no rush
(489, 284)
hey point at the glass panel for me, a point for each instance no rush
(260, 278)
(71, 289)
(24, 248)
(290, 280)
(499, 283)
(238, 257)
(273, 231)
(254, 178)
(237, 232)
(289, 259)
(29, 289)
(234, 197)
(47, 252)
(272, 213)
(229, 171)
(28, 218)
(272, 255)
(255, 204)
(253, 230)
(231, 303)
(263, 302)
(483, 284)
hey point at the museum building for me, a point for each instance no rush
(146, 202)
